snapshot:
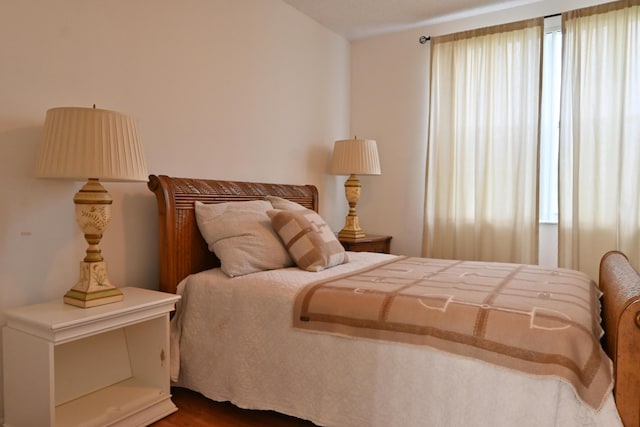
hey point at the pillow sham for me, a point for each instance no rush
(241, 236)
(284, 204)
(309, 240)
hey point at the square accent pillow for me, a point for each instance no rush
(309, 240)
(241, 236)
(284, 204)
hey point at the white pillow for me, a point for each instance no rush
(241, 236)
(309, 240)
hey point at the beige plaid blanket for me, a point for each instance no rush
(539, 321)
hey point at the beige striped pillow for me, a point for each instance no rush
(309, 240)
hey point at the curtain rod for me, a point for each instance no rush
(424, 39)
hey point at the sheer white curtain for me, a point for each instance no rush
(482, 166)
(599, 159)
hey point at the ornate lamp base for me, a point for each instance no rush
(93, 288)
(352, 228)
(94, 299)
(93, 212)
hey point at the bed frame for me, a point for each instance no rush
(183, 251)
(620, 285)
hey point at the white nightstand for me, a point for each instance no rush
(99, 366)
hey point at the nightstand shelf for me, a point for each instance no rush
(368, 243)
(129, 400)
(99, 366)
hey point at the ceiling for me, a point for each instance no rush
(355, 19)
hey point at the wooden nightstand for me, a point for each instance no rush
(105, 365)
(368, 243)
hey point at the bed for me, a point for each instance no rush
(233, 340)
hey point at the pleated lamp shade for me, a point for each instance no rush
(81, 143)
(355, 156)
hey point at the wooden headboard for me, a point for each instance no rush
(183, 251)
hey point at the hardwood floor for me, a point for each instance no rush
(195, 410)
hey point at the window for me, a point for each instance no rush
(550, 120)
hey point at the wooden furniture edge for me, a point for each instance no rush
(370, 240)
(620, 284)
(182, 249)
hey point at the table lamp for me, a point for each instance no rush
(354, 157)
(95, 145)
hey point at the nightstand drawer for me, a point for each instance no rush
(369, 243)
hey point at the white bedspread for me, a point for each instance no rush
(232, 340)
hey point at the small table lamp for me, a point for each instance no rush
(93, 144)
(354, 157)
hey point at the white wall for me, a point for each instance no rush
(225, 89)
(389, 103)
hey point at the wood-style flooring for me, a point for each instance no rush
(195, 410)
